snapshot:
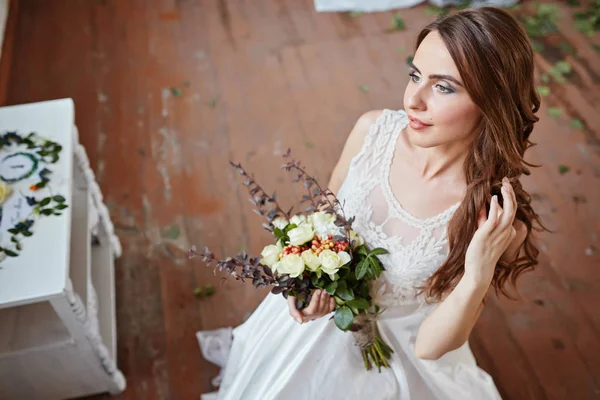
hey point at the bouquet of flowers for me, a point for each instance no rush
(314, 249)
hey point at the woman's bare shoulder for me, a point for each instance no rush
(352, 146)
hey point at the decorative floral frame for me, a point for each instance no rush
(41, 153)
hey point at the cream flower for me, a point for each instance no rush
(331, 261)
(300, 235)
(355, 236)
(291, 264)
(298, 219)
(324, 224)
(311, 260)
(270, 254)
(280, 223)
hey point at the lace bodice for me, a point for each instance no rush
(417, 247)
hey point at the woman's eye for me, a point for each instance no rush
(443, 89)
(415, 78)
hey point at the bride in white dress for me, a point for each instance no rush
(418, 182)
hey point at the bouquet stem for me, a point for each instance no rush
(373, 349)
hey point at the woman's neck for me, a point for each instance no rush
(445, 162)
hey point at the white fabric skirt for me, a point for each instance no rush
(273, 357)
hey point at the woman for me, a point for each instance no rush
(419, 182)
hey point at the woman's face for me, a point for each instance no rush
(438, 106)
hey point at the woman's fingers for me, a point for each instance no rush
(510, 206)
(313, 307)
(482, 217)
(492, 219)
(294, 312)
(331, 304)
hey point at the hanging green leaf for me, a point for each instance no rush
(343, 318)
(577, 124)
(543, 91)
(554, 112)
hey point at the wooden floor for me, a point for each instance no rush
(168, 91)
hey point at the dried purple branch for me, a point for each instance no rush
(320, 199)
(266, 205)
(243, 267)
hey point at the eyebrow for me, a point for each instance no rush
(437, 76)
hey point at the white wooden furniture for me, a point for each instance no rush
(57, 299)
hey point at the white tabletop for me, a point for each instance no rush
(41, 269)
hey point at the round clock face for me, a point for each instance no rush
(17, 166)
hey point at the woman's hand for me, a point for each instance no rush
(320, 305)
(492, 237)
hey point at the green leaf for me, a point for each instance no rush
(27, 233)
(378, 251)
(376, 266)
(537, 46)
(410, 59)
(330, 289)
(47, 211)
(577, 124)
(61, 206)
(362, 269)
(14, 239)
(45, 201)
(59, 199)
(172, 233)
(362, 250)
(398, 22)
(345, 294)
(361, 304)
(10, 253)
(554, 112)
(290, 227)
(546, 79)
(563, 169)
(177, 92)
(543, 91)
(567, 48)
(343, 318)
(14, 231)
(563, 67)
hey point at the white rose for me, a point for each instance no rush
(331, 261)
(301, 235)
(354, 236)
(298, 219)
(291, 264)
(324, 225)
(270, 254)
(311, 260)
(280, 223)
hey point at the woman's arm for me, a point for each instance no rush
(351, 148)
(449, 325)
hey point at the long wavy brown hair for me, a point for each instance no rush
(495, 61)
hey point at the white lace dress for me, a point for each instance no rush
(273, 357)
